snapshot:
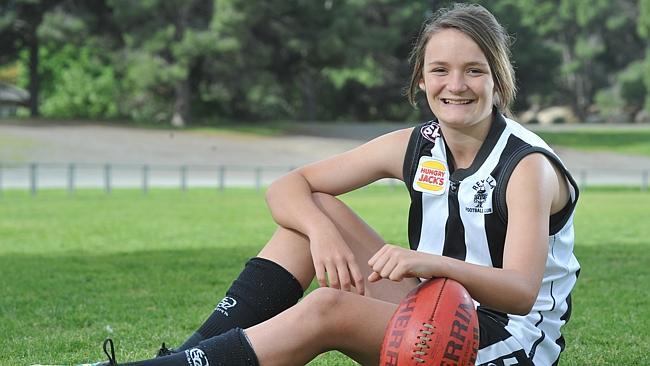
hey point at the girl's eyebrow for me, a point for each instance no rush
(471, 63)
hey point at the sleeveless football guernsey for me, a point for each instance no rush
(462, 213)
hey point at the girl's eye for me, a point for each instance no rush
(475, 71)
(438, 70)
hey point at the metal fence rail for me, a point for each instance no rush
(72, 176)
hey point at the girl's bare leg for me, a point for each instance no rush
(326, 319)
(290, 249)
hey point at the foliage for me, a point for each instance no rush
(80, 86)
(204, 60)
(77, 269)
(9, 73)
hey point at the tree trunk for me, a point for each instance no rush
(181, 102)
(182, 87)
(34, 77)
(571, 78)
(308, 97)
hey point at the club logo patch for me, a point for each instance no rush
(225, 304)
(482, 202)
(432, 176)
(430, 131)
(196, 357)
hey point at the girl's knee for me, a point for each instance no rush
(325, 306)
(323, 300)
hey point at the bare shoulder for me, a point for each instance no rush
(398, 136)
(535, 177)
(391, 149)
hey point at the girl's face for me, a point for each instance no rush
(457, 80)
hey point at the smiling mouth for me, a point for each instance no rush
(456, 101)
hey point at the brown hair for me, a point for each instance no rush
(480, 25)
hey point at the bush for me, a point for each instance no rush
(78, 84)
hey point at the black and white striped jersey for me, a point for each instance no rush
(462, 213)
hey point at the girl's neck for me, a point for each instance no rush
(465, 142)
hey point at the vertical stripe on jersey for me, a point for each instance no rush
(480, 243)
(435, 211)
(454, 246)
(495, 227)
(415, 219)
(416, 147)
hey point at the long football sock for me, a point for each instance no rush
(263, 290)
(231, 348)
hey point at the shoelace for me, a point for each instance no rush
(164, 351)
(111, 355)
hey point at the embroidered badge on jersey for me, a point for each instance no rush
(430, 131)
(482, 202)
(432, 176)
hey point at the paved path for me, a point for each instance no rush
(101, 144)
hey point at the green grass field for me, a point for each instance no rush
(627, 141)
(143, 269)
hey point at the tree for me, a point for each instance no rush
(165, 43)
(581, 31)
(19, 31)
(643, 29)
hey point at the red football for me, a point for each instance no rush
(436, 324)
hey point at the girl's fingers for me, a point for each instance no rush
(357, 277)
(377, 255)
(388, 268)
(320, 275)
(332, 276)
(380, 262)
(374, 277)
(344, 277)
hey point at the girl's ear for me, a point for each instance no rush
(421, 84)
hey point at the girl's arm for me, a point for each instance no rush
(535, 190)
(292, 206)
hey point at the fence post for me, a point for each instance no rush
(107, 178)
(258, 178)
(0, 179)
(71, 169)
(33, 177)
(222, 177)
(183, 178)
(644, 180)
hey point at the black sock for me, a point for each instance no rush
(263, 290)
(228, 349)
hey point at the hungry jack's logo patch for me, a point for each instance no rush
(432, 176)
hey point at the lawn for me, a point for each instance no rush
(142, 269)
(621, 140)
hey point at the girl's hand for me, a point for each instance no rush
(396, 263)
(335, 263)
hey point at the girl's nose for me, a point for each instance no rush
(456, 82)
